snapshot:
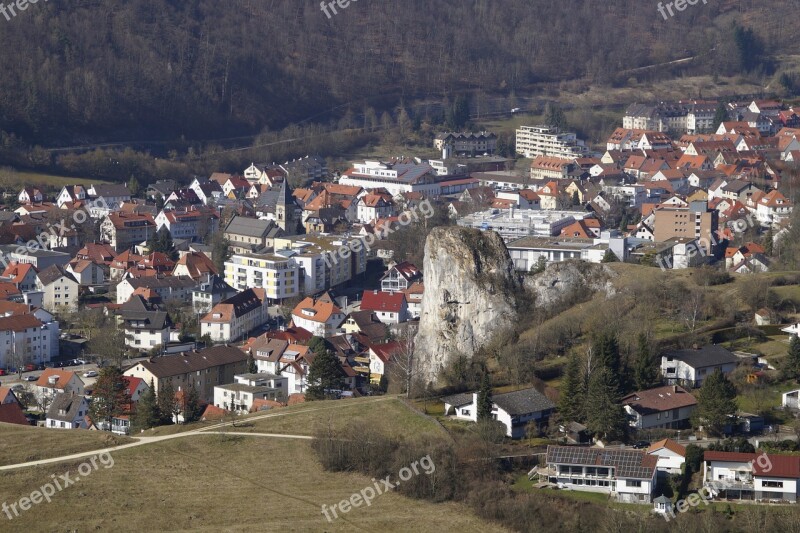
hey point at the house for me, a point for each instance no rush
(59, 286)
(124, 230)
(282, 358)
(68, 410)
(195, 265)
(251, 234)
(380, 355)
(248, 389)
(235, 317)
(161, 189)
(23, 275)
(374, 206)
(7, 396)
(320, 315)
(169, 288)
(689, 367)
(400, 277)
(671, 455)
(515, 410)
(751, 476)
(210, 293)
(204, 370)
(11, 413)
(772, 207)
(628, 476)
(53, 381)
(30, 195)
(70, 195)
(389, 307)
(24, 338)
(666, 407)
(191, 223)
(366, 323)
(86, 272)
(146, 325)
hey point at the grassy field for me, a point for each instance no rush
(214, 483)
(19, 444)
(14, 180)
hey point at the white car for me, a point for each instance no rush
(90, 374)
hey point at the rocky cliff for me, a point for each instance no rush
(560, 279)
(471, 291)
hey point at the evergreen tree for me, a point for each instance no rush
(572, 398)
(720, 116)
(166, 402)
(576, 198)
(485, 399)
(554, 117)
(147, 414)
(458, 116)
(251, 364)
(605, 417)
(324, 375)
(716, 403)
(191, 408)
(769, 239)
(110, 397)
(646, 373)
(133, 186)
(792, 362)
(610, 257)
(606, 354)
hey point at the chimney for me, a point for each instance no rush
(675, 389)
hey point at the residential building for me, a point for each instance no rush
(204, 370)
(515, 410)
(124, 230)
(250, 234)
(169, 289)
(59, 286)
(321, 316)
(283, 358)
(241, 395)
(195, 265)
(759, 477)
(400, 277)
(53, 381)
(628, 476)
(146, 325)
(389, 307)
(532, 141)
(276, 274)
(696, 221)
(68, 411)
(24, 338)
(668, 407)
(671, 455)
(514, 224)
(468, 143)
(689, 367)
(210, 293)
(23, 275)
(235, 317)
(192, 223)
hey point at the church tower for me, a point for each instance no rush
(284, 209)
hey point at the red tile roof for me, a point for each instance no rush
(382, 301)
(11, 413)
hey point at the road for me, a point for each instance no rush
(213, 429)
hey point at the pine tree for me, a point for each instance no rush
(251, 364)
(792, 362)
(716, 403)
(191, 408)
(572, 399)
(605, 417)
(646, 373)
(110, 398)
(606, 354)
(147, 414)
(324, 376)
(166, 402)
(720, 116)
(554, 117)
(769, 239)
(485, 399)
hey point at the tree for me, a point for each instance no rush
(485, 399)
(572, 398)
(251, 364)
(646, 374)
(402, 365)
(792, 362)
(605, 350)
(133, 186)
(191, 405)
(324, 376)
(769, 241)
(554, 116)
(716, 403)
(610, 257)
(720, 116)
(576, 198)
(166, 402)
(110, 398)
(147, 414)
(458, 116)
(605, 417)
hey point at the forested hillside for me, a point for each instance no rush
(83, 70)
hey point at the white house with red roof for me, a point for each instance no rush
(379, 357)
(771, 207)
(53, 381)
(671, 455)
(319, 315)
(23, 275)
(389, 307)
(662, 407)
(400, 277)
(761, 477)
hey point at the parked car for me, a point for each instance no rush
(30, 367)
(642, 444)
(2, 372)
(30, 378)
(18, 387)
(90, 374)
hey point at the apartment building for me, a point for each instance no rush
(395, 177)
(234, 318)
(695, 221)
(191, 224)
(278, 275)
(533, 141)
(467, 143)
(124, 230)
(26, 339)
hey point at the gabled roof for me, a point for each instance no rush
(68, 404)
(198, 264)
(703, 357)
(632, 464)
(19, 322)
(383, 301)
(523, 402)
(53, 273)
(316, 310)
(179, 364)
(670, 445)
(234, 307)
(659, 399)
(11, 413)
(64, 377)
(249, 227)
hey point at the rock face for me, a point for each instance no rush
(471, 292)
(559, 279)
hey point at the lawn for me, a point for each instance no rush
(19, 444)
(215, 483)
(18, 179)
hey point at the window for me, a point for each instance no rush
(632, 483)
(772, 484)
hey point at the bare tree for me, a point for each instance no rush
(402, 367)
